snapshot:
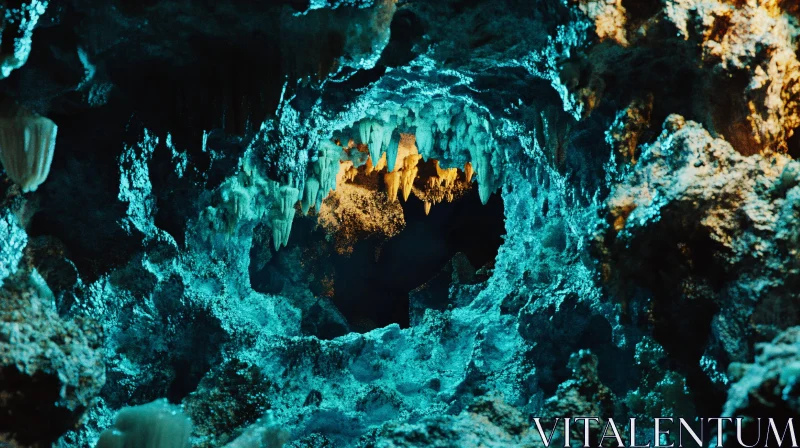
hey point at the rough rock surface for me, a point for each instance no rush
(769, 385)
(712, 231)
(50, 368)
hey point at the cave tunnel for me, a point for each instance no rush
(373, 284)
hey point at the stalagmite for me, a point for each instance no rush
(392, 181)
(27, 143)
(391, 150)
(468, 171)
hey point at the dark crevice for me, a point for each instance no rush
(78, 204)
(793, 145)
(370, 287)
(29, 409)
(373, 284)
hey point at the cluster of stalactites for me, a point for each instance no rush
(282, 214)
(401, 178)
(381, 138)
(445, 186)
(321, 179)
(442, 130)
(437, 184)
(240, 198)
(248, 196)
(27, 143)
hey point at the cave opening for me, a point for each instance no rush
(370, 286)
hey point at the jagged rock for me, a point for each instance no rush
(12, 242)
(51, 369)
(265, 433)
(487, 422)
(584, 393)
(754, 45)
(230, 397)
(609, 19)
(768, 386)
(708, 233)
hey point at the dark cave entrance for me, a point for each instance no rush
(370, 287)
(373, 284)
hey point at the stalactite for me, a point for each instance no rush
(282, 214)
(369, 168)
(392, 181)
(447, 176)
(468, 171)
(27, 143)
(427, 208)
(391, 150)
(409, 173)
(480, 153)
(310, 194)
(322, 178)
(424, 136)
(364, 131)
(329, 167)
(378, 140)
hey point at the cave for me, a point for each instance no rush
(372, 284)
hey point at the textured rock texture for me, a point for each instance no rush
(768, 385)
(379, 223)
(51, 369)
